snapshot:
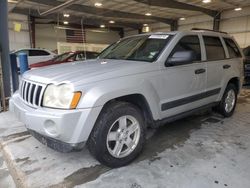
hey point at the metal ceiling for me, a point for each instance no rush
(129, 13)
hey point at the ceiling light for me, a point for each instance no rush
(65, 22)
(182, 19)
(97, 4)
(206, 1)
(12, 1)
(238, 9)
(66, 15)
(148, 14)
(112, 21)
(102, 26)
(145, 25)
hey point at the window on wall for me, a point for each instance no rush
(214, 48)
(189, 43)
(233, 50)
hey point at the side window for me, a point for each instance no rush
(92, 55)
(188, 44)
(214, 48)
(72, 58)
(38, 53)
(80, 57)
(232, 48)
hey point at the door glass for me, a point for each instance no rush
(188, 43)
(214, 48)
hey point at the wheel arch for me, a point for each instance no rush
(139, 101)
(236, 82)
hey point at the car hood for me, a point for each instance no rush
(41, 64)
(88, 71)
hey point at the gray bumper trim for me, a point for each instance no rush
(57, 144)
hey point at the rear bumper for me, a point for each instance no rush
(71, 127)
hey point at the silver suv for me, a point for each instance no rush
(141, 81)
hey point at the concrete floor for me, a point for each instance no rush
(6, 180)
(199, 151)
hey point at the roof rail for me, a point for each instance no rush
(196, 29)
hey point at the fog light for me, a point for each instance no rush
(50, 128)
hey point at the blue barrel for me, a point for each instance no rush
(23, 62)
(14, 71)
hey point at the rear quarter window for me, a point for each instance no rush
(214, 48)
(233, 50)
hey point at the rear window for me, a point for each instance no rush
(38, 53)
(232, 48)
(214, 48)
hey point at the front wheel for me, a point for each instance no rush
(228, 102)
(118, 135)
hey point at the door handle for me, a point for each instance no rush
(199, 71)
(226, 66)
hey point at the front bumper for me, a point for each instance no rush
(56, 144)
(71, 127)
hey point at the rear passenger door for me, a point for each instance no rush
(216, 65)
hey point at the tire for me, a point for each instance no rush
(225, 109)
(115, 120)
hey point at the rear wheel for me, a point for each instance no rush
(228, 102)
(118, 135)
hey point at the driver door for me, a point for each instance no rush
(183, 85)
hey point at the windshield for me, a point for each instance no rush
(63, 57)
(138, 48)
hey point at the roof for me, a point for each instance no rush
(124, 13)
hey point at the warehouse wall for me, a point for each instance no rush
(47, 36)
(18, 39)
(97, 37)
(235, 23)
(238, 25)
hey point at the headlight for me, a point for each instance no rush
(61, 96)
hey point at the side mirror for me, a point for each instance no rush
(181, 57)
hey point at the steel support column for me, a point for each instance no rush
(139, 31)
(121, 33)
(174, 25)
(216, 24)
(32, 30)
(4, 47)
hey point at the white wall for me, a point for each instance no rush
(47, 36)
(235, 23)
(238, 25)
(128, 32)
(202, 21)
(20, 39)
(96, 36)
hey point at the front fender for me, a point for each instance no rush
(102, 92)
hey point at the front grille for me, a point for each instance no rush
(31, 92)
